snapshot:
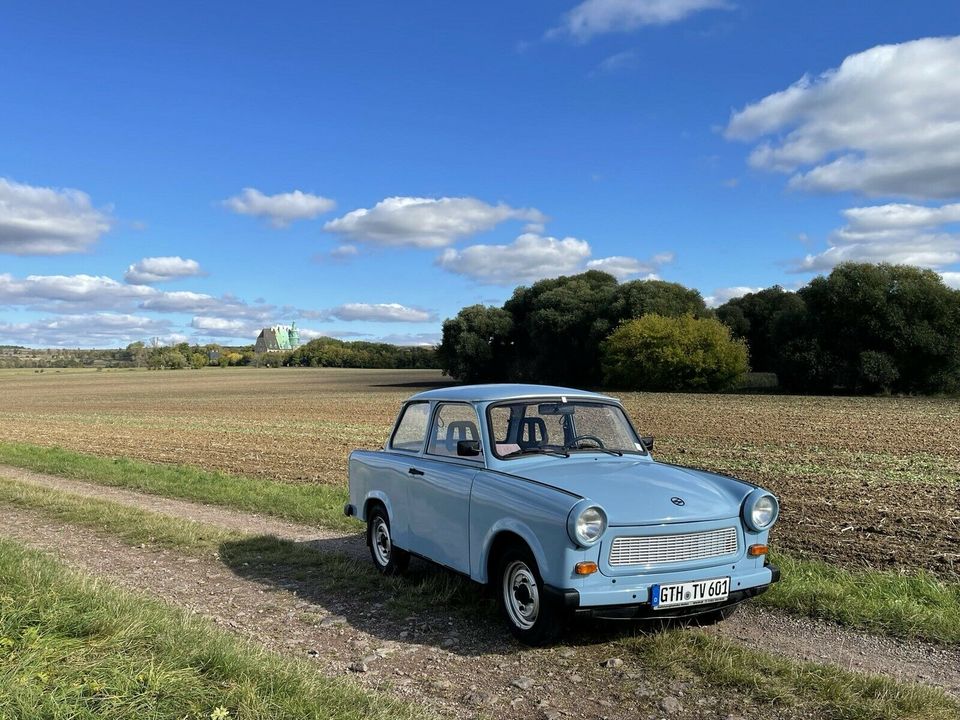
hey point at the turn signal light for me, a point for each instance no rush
(757, 550)
(585, 568)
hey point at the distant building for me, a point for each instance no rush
(277, 338)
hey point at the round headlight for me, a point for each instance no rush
(762, 512)
(589, 522)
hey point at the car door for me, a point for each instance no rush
(397, 467)
(439, 498)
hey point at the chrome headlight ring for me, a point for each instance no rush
(760, 510)
(586, 523)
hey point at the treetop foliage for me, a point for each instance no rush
(655, 352)
(864, 328)
(552, 330)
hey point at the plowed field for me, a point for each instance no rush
(863, 481)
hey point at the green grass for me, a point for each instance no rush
(262, 557)
(130, 525)
(810, 689)
(312, 504)
(71, 647)
(911, 605)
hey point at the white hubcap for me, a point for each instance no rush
(381, 541)
(520, 594)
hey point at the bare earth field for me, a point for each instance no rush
(863, 481)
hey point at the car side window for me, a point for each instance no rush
(453, 422)
(412, 428)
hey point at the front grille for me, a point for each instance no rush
(663, 549)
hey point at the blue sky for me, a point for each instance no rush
(198, 170)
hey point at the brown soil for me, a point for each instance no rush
(459, 666)
(863, 481)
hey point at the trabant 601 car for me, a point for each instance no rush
(551, 497)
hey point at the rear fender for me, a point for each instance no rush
(372, 496)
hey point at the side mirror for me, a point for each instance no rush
(647, 442)
(468, 448)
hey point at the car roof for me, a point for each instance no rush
(505, 391)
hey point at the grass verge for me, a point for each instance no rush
(312, 504)
(809, 689)
(264, 558)
(72, 647)
(911, 605)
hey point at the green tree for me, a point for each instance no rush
(331, 352)
(873, 327)
(558, 325)
(673, 353)
(644, 297)
(756, 318)
(137, 353)
(198, 360)
(165, 358)
(476, 344)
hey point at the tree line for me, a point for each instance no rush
(864, 328)
(321, 352)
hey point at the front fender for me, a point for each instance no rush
(517, 527)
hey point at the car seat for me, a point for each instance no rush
(460, 430)
(530, 428)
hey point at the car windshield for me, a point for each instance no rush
(554, 427)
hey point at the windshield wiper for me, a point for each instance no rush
(617, 453)
(538, 451)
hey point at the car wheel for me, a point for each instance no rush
(388, 559)
(534, 617)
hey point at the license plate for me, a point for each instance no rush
(699, 592)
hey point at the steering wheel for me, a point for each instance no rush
(576, 441)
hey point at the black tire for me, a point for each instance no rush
(388, 559)
(533, 616)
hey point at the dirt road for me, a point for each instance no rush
(459, 666)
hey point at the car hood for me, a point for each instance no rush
(640, 491)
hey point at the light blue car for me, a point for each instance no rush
(550, 496)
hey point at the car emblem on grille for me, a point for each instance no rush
(677, 500)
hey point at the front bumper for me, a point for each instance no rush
(637, 604)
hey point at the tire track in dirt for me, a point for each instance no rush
(433, 639)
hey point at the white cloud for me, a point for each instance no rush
(45, 221)
(223, 327)
(886, 122)
(381, 312)
(83, 330)
(161, 269)
(343, 252)
(900, 216)
(419, 339)
(281, 209)
(595, 17)
(896, 233)
(307, 334)
(530, 257)
(618, 61)
(722, 295)
(622, 267)
(534, 257)
(952, 279)
(65, 293)
(425, 222)
(226, 306)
